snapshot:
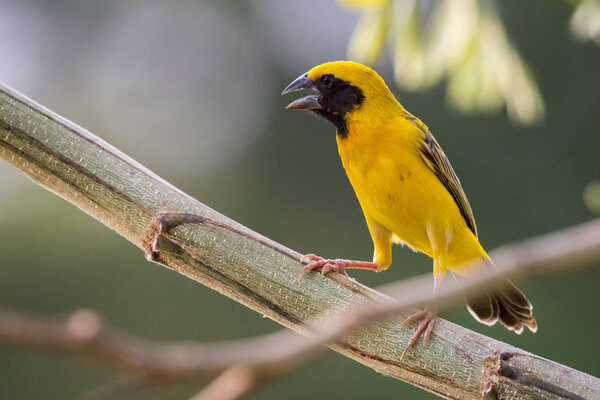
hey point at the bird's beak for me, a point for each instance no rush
(305, 103)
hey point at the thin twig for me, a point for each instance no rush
(230, 385)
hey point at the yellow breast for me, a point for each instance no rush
(395, 187)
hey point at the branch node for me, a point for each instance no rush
(154, 240)
(489, 378)
(489, 391)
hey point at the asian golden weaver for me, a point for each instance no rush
(406, 187)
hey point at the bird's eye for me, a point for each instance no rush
(327, 80)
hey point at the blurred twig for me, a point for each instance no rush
(231, 384)
(247, 267)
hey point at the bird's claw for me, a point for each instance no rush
(312, 257)
(425, 327)
(325, 264)
(338, 266)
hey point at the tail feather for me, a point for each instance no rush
(522, 309)
(504, 303)
(485, 309)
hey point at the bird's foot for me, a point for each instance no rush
(428, 317)
(339, 265)
(163, 224)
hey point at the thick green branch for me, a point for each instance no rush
(249, 268)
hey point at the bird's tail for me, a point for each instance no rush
(503, 302)
(500, 302)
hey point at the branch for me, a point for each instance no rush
(249, 363)
(84, 334)
(232, 259)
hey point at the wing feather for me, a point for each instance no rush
(434, 157)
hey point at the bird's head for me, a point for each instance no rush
(345, 91)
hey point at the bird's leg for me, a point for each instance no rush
(427, 318)
(338, 265)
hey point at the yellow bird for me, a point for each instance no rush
(406, 187)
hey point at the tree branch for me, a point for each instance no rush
(245, 266)
(249, 363)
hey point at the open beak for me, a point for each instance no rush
(305, 103)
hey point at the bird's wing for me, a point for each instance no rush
(434, 157)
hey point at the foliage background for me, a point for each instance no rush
(191, 90)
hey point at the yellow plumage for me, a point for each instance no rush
(406, 187)
(402, 198)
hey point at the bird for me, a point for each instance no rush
(407, 189)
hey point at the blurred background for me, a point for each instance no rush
(191, 90)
